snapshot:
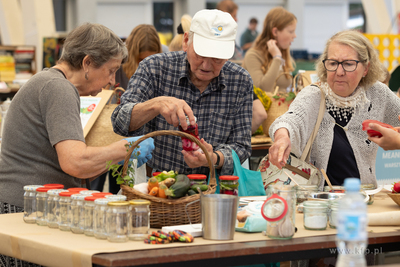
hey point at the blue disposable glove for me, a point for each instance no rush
(145, 148)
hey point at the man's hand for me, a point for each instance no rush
(175, 110)
(195, 159)
(280, 150)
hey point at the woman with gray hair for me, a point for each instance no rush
(43, 141)
(349, 72)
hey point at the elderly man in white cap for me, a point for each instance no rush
(176, 88)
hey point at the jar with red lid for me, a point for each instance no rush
(89, 211)
(229, 185)
(41, 205)
(197, 179)
(65, 210)
(187, 144)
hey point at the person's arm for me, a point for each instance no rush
(280, 150)
(81, 161)
(259, 115)
(390, 139)
(253, 62)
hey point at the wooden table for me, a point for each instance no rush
(244, 253)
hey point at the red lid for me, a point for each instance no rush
(102, 194)
(77, 189)
(197, 176)
(54, 186)
(43, 189)
(92, 198)
(228, 177)
(67, 194)
(156, 173)
(274, 208)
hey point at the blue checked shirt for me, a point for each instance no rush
(223, 110)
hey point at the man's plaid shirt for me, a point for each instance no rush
(223, 110)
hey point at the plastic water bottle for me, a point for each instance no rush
(351, 239)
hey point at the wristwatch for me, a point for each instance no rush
(218, 159)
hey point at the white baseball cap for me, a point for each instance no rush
(214, 33)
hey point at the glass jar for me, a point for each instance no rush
(369, 187)
(41, 205)
(53, 207)
(279, 210)
(139, 223)
(64, 223)
(88, 192)
(197, 179)
(315, 215)
(54, 186)
(30, 203)
(229, 185)
(304, 190)
(89, 210)
(193, 130)
(334, 206)
(78, 213)
(99, 218)
(118, 221)
(116, 197)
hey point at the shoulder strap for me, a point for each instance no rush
(307, 150)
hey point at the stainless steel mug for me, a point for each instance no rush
(218, 216)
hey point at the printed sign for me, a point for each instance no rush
(387, 166)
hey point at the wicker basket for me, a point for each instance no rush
(168, 212)
(395, 198)
(276, 109)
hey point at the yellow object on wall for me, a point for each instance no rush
(388, 47)
(7, 68)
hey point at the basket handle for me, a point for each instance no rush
(115, 92)
(176, 133)
(276, 80)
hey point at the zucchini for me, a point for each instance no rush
(203, 187)
(191, 192)
(179, 188)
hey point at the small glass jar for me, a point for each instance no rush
(229, 185)
(78, 213)
(369, 187)
(41, 205)
(54, 186)
(193, 130)
(53, 207)
(99, 217)
(315, 215)
(116, 197)
(64, 223)
(197, 179)
(334, 206)
(89, 210)
(88, 192)
(30, 203)
(304, 190)
(118, 221)
(139, 223)
(77, 189)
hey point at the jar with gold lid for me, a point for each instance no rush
(117, 221)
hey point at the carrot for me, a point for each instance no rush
(153, 182)
(161, 191)
(154, 191)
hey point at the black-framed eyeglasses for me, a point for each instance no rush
(347, 65)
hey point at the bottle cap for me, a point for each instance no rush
(228, 177)
(352, 184)
(139, 202)
(115, 197)
(197, 176)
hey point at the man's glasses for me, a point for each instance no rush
(348, 65)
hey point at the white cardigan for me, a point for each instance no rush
(300, 119)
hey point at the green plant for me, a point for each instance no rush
(116, 170)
